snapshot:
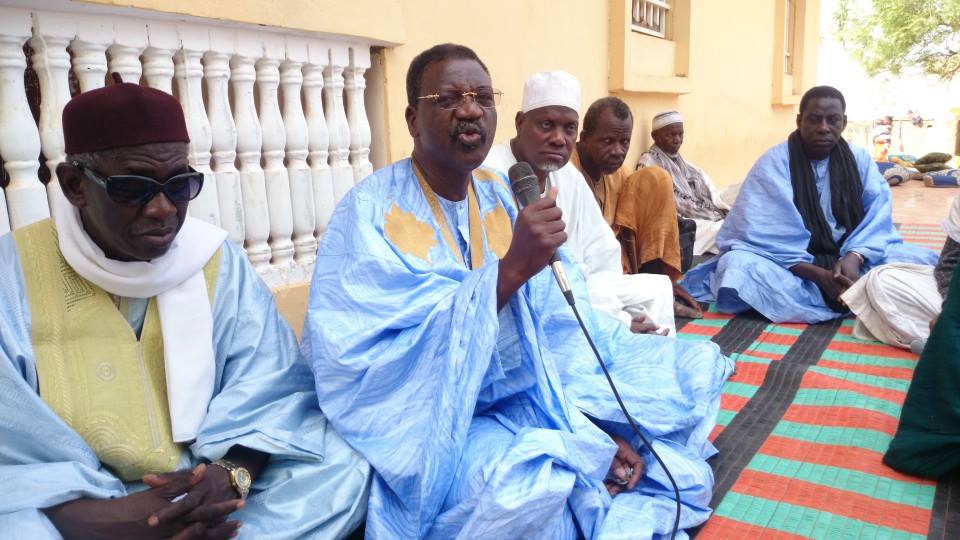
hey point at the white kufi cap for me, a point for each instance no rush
(666, 118)
(548, 88)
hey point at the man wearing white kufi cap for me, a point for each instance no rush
(696, 196)
(547, 127)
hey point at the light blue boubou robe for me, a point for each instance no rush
(763, 236)
(314, 485)
(478, 423)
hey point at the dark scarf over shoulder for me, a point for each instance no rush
(846, 191)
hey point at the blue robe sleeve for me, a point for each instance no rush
(265, 399)
(43, 462)
(877, 231)
(671, 387)
(764, 220)
(400, 353)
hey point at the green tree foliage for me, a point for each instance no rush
(902, 36)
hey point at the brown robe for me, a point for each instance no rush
(640, 207)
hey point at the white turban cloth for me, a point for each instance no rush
(666, 118)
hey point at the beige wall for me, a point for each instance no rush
(377, 20)
(730, 117)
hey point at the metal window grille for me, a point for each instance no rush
(650, 17)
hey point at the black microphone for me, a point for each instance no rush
(526, 188)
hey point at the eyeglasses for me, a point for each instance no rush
(135, 190)
(487, 98)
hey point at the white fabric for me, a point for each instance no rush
(548, 88)
(592, 244)
(665, 119)
(176, 279)
(726, 196)
(895, 303)
(951, 225)
(706, 238)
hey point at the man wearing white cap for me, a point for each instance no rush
(696, 196)
(547, 127)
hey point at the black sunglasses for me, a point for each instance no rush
(136, 190)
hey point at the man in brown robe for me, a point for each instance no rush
(638, 205)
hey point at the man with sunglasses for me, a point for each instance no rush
(448, 357)
(148, 386)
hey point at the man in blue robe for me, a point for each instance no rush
(813, 215)
(445, 353)
(148, 386)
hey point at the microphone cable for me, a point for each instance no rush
(616, 393)
(526, 189)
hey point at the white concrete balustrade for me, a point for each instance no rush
(277, 120)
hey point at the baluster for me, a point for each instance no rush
(158, 67)
(19, 138)
(355, 84)
(256, 223)
(301, 181)
(318, 138)
(224, 139)
(274, 140)
(338, 129)
(188, 73)
(89, 64)
(51, 61)
(124, 55)
(90, 52)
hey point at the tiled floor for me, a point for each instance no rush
(915, 203)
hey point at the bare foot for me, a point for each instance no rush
(684, 305)
(682, 310)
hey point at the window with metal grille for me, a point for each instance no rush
(650, 17)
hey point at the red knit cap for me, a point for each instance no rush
(122, 114)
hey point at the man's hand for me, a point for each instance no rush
(626, 469)
(831, 284)
(642, 324)
(205, 507)
(127, 517)
(536, 236)
(847, 267)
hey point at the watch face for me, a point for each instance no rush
(243, 478)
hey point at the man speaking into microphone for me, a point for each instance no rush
(446, 354)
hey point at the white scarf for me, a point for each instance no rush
(186, 319)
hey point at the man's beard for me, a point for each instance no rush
(550, 167)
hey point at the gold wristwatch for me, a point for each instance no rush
(240, 477)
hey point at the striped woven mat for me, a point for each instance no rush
(931, 236)
(804, 423)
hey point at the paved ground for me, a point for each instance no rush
(915, 203)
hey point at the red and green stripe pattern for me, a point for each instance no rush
(927, 235)
(819, 474)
